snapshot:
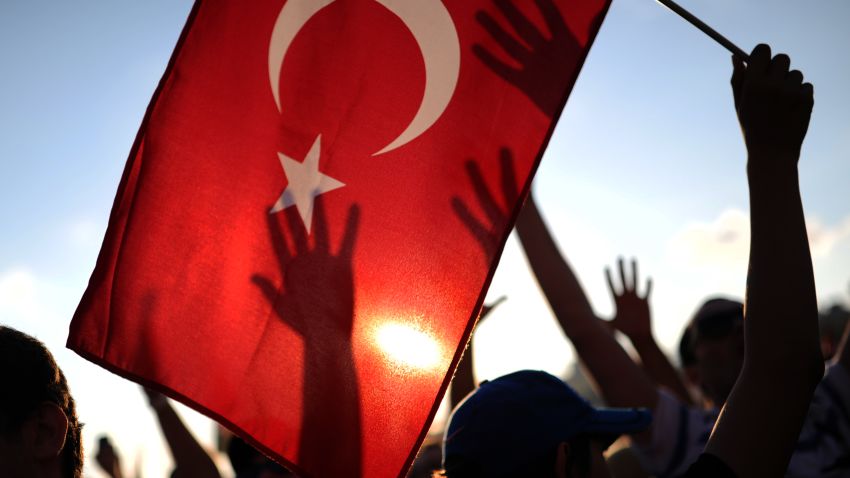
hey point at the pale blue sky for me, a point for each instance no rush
(647, 160)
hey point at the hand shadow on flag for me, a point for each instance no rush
(317, 302)
(546, 61)
(488, 234)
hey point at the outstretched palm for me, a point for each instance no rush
(318, 286)
(488, 234)
(544, 61)
(632, 316)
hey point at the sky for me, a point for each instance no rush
(647, 161)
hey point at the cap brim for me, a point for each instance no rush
(617, 421)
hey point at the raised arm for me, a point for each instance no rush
(463, 382)
(107, 458)
(189, 456)
(758, 428)
(622, 382)
(842, 355)
(634, 320)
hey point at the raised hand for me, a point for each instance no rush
(543, 59)
(155, 399)
(756, 433)
(317, 301)
(318, 286)
(498, 216)
(107, 458)
(632, 316)
(774, 107)
(190, 458)
(488, 236)
(485, 311)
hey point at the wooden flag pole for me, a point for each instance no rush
(705, 28)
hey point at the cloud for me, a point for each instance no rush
(723, 242)
(33, 305)
(17, 295)
(726, 240)
(823, 239)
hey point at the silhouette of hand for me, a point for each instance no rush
(107, 458)
(485, 311)
(156, 400)
(774, 107)
(318, 286)
(488, 235)
(544, 61)
(632, 316)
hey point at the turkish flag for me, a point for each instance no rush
(305, 229)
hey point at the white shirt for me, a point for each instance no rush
(679, 433)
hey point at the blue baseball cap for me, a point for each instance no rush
(508, 422)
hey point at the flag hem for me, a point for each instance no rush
(194, 405)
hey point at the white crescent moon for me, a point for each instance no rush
(433, 29)
(292, 17)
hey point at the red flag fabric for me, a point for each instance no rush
(304, 232)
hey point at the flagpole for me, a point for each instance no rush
(676, 8)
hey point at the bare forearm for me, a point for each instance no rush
(761, 421)
(782, 353)
(463, 382)
(187, 452)
(843, 355)
(114, 471)
(621, 381)
(554, 275)
(658, 367)
(781, 304)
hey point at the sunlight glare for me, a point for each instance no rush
(408, 346)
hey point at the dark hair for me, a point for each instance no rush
(717, 318)
(832, 321)
(540, 467)
(687, 356)
(28, 371)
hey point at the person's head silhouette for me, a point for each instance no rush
(712, 348)
(39, 430)
(531, 424)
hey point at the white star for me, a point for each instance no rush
(305, 184)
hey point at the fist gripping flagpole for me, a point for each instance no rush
(676, 8)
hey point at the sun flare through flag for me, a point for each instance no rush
(303, 234)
